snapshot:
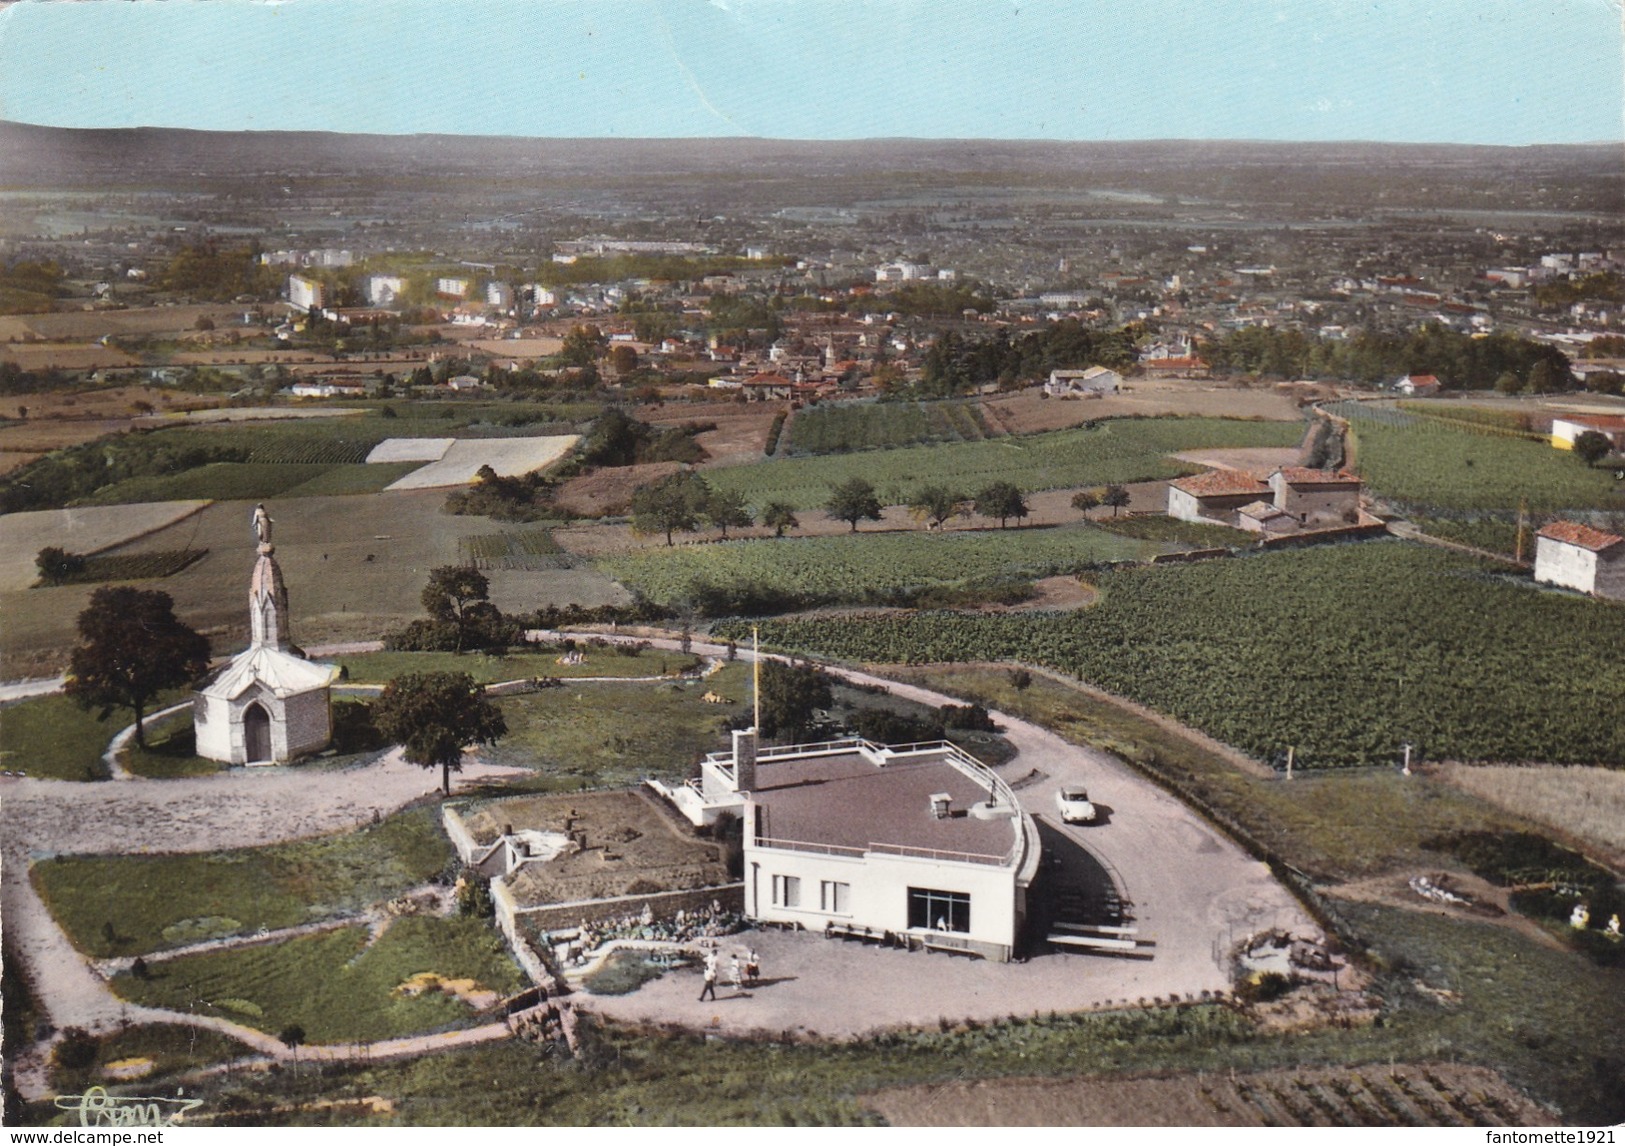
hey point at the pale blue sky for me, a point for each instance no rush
(1459, 71)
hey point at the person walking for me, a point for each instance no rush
(710, 987)
(735, 973)
(753, 967)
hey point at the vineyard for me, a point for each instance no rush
(526, 549)
(885, 425)
(1120, 451)
(1426, 462)
(1343, 653)
(132, 566)
(867, 568)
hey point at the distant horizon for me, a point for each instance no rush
(1496, 73)
(878, 139)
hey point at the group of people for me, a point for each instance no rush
(743, 971)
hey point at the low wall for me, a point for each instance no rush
(560, 916)
(461, 838)
(1188, 556)
(1316, 536)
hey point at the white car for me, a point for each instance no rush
(1074, 806)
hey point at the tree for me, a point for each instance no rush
(57, 565)
(454, 594)
(792, 694)
(936, 503)
(623, 359)
(778, 516)
(134, 648)
(1085, 500)
(434, 716)
(1116, 497)
(672, 504)
(582, 346)
(726, 507)
(1591, 445)
(852, 501)
(1002, 500)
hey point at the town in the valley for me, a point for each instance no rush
(504, 631)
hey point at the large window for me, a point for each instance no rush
(835, 898)
(786, 891)
(935, 910)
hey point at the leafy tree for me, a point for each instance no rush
(1116, 497)
(1085, 500)
(792, 694)
(434, 716)
(852, 501)
(57, 565)
(779, 517)
(672, 504)
(582, 346)
(1002, 500)
(936, 504)
(454, 595)
(623, 358)
(1591, 446)
(134, 648)
(726, 507)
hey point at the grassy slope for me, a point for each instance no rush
(381, 667)
(159, 901)
(334, 984)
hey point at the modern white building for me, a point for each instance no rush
(382, 290)
(499, 295)
(1571, 426)
(921, 843)
(1578, 557)
(452, 287)
(269, 705)
(305, 293)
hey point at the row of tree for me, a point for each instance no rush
(956, 365)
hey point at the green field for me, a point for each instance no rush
(871, 568)
(1342, 652)
(157, 901)
(380, 668)
(1185, 534)
(843, 428)
(171, 1049)
(1426, 463)
(336, 985)
(582, 736)
(348, 479)
(221, 481)
(53, 738)
(104, 567)
(515, 549)
(1121, 450)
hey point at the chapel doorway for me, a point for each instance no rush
(256, 733)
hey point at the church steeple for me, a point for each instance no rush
(267, 593)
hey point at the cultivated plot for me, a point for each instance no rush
(509, 457)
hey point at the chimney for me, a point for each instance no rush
(744, 759)
(941, 805)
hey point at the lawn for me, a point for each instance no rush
(171, 751)
(583, 736)
(221, 481)
(152, 902)
(336, 985)
(170, 1050)
(1120, 450)
(52, 737)
(1341, 652)
(379, 668)
(1186, 534)
(348, 479)
(873, 568)
(1430, 464)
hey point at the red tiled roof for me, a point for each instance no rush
(1605, 422)
(1301, 475)
(1419, 379)
(1573, 533)
(1214, 483)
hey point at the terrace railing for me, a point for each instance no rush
(940, 854)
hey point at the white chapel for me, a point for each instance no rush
(269, 705)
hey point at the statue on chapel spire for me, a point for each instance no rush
(262, 527)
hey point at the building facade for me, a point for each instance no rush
(1578, 557)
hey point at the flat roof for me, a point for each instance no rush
(847, 801)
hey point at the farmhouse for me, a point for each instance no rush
(269, 705)
(922, 843)
(1293, 499)
(1077, 383)
(1417, 385)
(1578, 557)
(1571, 426)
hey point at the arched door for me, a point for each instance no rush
(256, 733)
